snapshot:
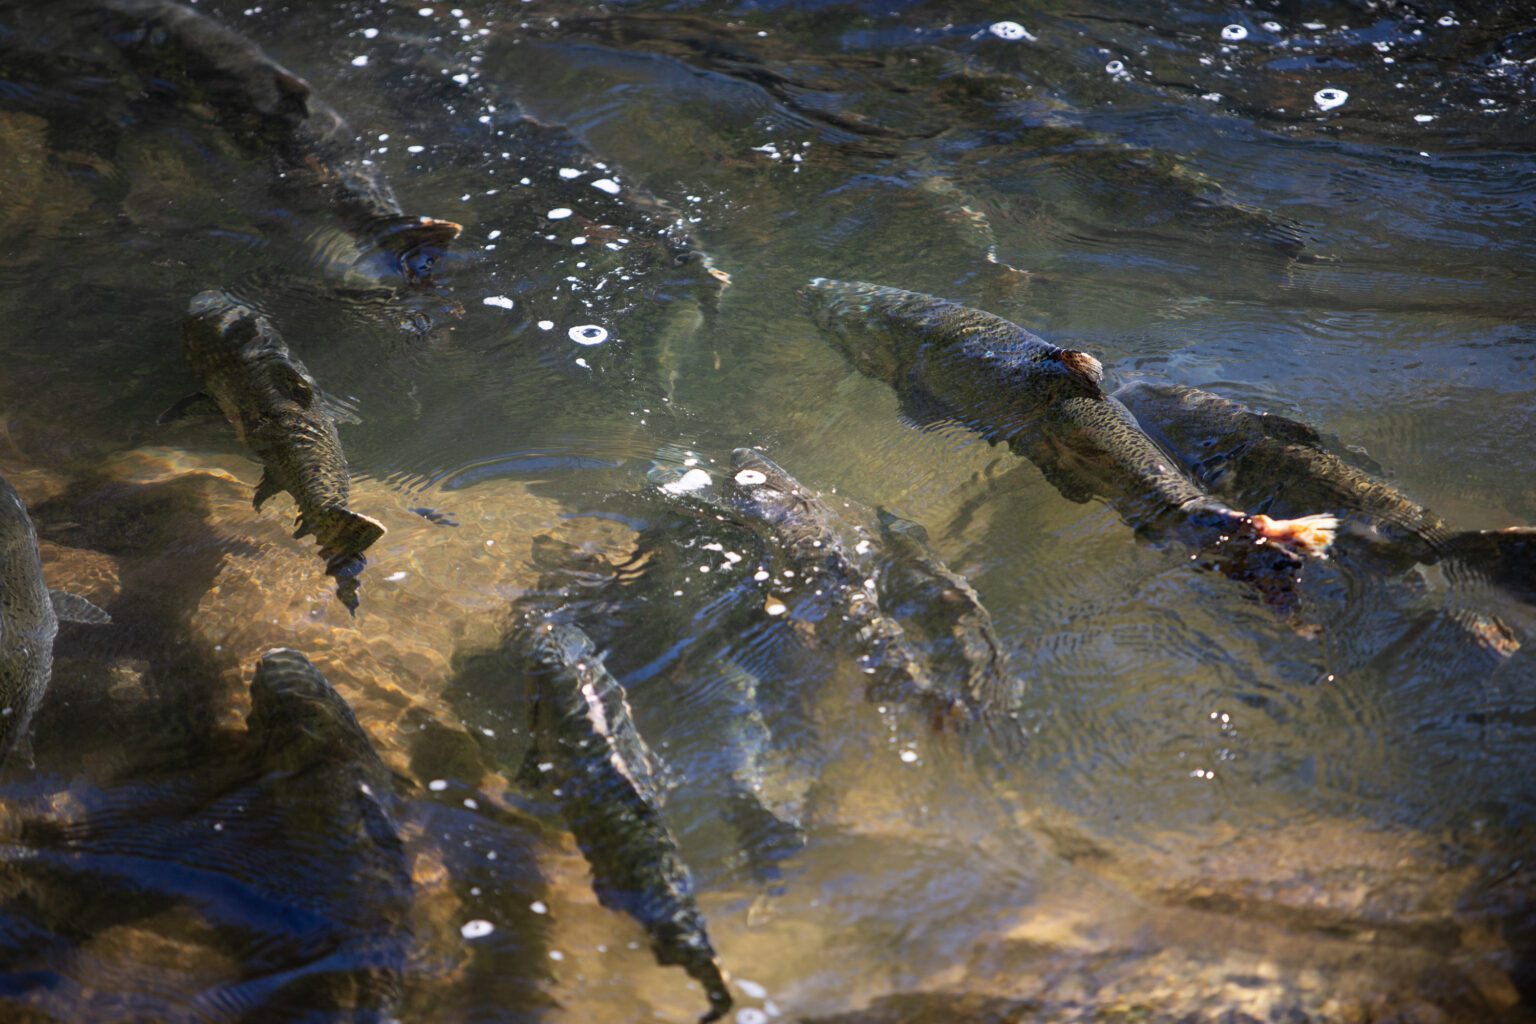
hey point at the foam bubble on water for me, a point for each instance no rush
(1234, 33)
(370, 33)
(569, 173)
(1115, 67)
(693, 480)
(750, 478)
(587, 334)
(425, 12)
(773, 606)
(909, 756)
(538, 907)
(558, 213)
(579, 240)
(395, 577)
(760, 575)
(1010, 30)
(1330, 97)
(1446, 20)
(494, 234)
(414, 149)
(606, 185)
(751, 989)
(497, 300)
(1273, 26)
(1423, 118)
(360, 61)
(546, 325)
(437, 785)
(479, 928)
(751, 1015)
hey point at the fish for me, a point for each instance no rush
(607, 782)
(280, 415)
(1271, 462)
(29, 621)
(825, 550)
(941, 606)
(274, 112)
(951, 363)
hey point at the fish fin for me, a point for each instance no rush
(74, 608)
(1505, 558)
(1084, 366)
(266, 487)
(352, 533)
(293, 90)
(1283, 428)
(197, 406)
(299, 387)
(347, 569)
(1306, 535)
(400, 235)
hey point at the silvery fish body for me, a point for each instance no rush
(587, 747)
(278, 413)
(27, 622)
(951, 363)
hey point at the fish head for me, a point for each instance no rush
(296, 715)
(846, 312)
(760, 488)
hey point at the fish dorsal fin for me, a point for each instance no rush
(1283, 428)
(196, 406)
(1084, 366)
(297, 386)
(74, 608)
(293, 90)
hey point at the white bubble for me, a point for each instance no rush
(425, 12)
(1234, 33)
(751, 1015)
(760, 575)
(1115, 67)
(751, 989)
(1010, 30)
(1423, 118)
(497, 300)
(750, 478)
(1446, 20)
(773, 606)
(1330, 97)
(558, 213)
(579, 240)
(606, 185)
(370, 33)
(569, 172)
(693, 480)
(546, 325)
(909, 756)
(477, 929)
(395, 577)
(437, 785)
(1273, 26)
(538, 907)
(494, 234)
(360, 61)
(587, 334)
(414, 149)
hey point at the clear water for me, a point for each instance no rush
(1206, 812)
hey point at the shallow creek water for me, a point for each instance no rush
(1201, 813)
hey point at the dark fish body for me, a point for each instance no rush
(948, 362)
(825, 550)
(279, 414)
(27, 622)
(272, 111)
(610, 796)
(940, 606)
(769, 825)
(1271, 463)
(324, 781)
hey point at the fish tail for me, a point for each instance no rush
(342, 532)
(1505, 558)
(1308, 535)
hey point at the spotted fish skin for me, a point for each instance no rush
(824, 548)
(610, 796)
(951, 363)
(27, 622)
(272, 111)
(278, 413)
(1270, 462)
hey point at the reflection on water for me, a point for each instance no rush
(1201, 812)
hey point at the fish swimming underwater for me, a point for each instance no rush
(29, 620)
(273, 112)
(1266, 461)
(610, 796)
(950, 363)
(279, 413)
